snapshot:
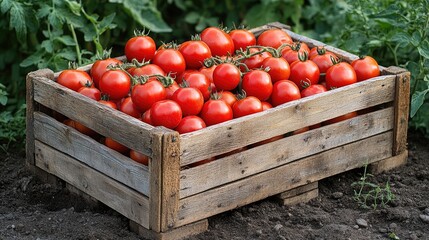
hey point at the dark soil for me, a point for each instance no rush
(31, 209)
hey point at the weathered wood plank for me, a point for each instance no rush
(240, 132)
(301, 197)
(92, 153)
(182, 232)
(389, 163)
(109, 122)
(170, 180)
(298, 190)
(122, 199)
(155, 169)
(283, 178)
(274, 154)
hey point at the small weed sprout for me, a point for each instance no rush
(370, 194)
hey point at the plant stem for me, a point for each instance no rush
(78, 53)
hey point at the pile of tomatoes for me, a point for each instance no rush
(212, 78)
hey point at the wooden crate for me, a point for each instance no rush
(170, 200)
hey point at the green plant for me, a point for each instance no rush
(370, 194)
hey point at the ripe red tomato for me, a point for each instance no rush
(228, 97)
(242, 38)
(145, 95)
(208, 72)
(149, 69)
(256, 60)
(279, 68)
(301, 130)
(324, 60)
(109, 103)
(284, 91)
(341, 118)
(141, 48)
(219, 41)
(313, 89)
(85, 130)
(179, 78)
(246, 106)
(216, 111)
(365, 68)
(170, 89)
(146, 117)
(115, 83)
(195, 52)
(274, 38)
(339, 75)
(109, 142)
(190, 100)
(170, 60)
(128, 107)
(199, 81)
(266, 105)
(139, 157)
(74, 79)
(257, 83)
(90, 92)
(190, 124)
(304, 73)
(100, 67)
(291, 53)
(166, 113)
(226, 76)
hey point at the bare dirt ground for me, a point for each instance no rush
(31, 209)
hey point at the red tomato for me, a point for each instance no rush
(195, 52)
(100, 67)
(190, 124)
(304, 73)
(228, 97)
(216, 111)
(279, 68)
(170, 60)
(146, 117)
(291, 53)
(208, 72)
(266, 105)
(74, 79)
(226, 76)
(128, 107)
(341, 118)
(313, 89)
(242, 38)
(219, 41)
(324, 60)
(169, 90)
(115, 83)
(84, 129)
(256, 60)
(339, 75)
(246, 106)
(179, 78)
(190, 100)
(166, 113)
(141, 48)
(274, 38)
(149, 69)
(284, 91)
(257, 83)
(69, 123)
(109, 103)
(365, 68)
(301, 130)
(90, 92)
(109, 142)
(145, 95)
(199, 81)
(139, 157)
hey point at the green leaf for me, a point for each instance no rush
(5, 5)
(417, 101)
(48, 46)
(106, 23)
(192, 17)
(33, 59)
(75, 7)
(401, 38)
(424, 49)
(66, 40)
(147, 16)
(416, 38)
(17, 20)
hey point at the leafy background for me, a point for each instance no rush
(50, 33)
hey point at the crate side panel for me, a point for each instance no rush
(285, 177)
(230, 135)
(92, 153)
(122, 199)
(109, 122)
(274, 154)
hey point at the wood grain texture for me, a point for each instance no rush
(300, 198)
(389, 163)
(122, 199)
(88, 151)
(283, 178)
(155, 169)
(402, 109)
(182, 232)
(109, 122)
(240, 132)
(298, 190)
(283, 151)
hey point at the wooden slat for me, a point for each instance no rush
(122, 199)
(155, 168)
(182, 232)
(298, 190)
(109, 122)
(92, 153)
(402, 108)
(285, 177)
(389, 164)
(264, 157)
(239, 132)
(301, 198)
(170, 180)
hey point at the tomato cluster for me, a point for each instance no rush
(212, 78)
